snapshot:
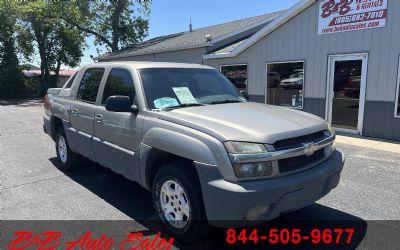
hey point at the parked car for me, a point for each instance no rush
(295, 81)
(298, 71)
(185, 133)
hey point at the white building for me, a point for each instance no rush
(335, 59)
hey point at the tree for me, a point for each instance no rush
(11, 78)
(57, 42)
(114, 23)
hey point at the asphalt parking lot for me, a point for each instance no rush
(33, 188)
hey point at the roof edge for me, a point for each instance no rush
(276, 23)
(156, 51)
(214, 40)
(246, 28)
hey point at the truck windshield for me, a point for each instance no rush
(186, 87)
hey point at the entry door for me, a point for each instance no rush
(346, 91)
(118, 134)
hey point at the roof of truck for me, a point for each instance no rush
(141, 65)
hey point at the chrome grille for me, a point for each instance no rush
(299, 141)
(296, 163)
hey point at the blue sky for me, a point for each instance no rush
(171, 16)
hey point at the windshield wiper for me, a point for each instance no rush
(183, 105)
(226, 101)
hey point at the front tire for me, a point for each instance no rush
(178, 202)
(67, 158)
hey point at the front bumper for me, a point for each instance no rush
(230, 204)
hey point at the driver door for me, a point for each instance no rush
(117, 134)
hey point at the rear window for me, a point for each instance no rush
(90, 84)
(71, 80)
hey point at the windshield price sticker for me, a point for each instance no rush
(184, 95)
(165, 102)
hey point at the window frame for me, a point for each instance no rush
(396, 101)
(98, 90)
(106, 79)
(237, 64)
(304, 81)
(68, 84)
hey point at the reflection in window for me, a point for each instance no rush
(69, 82)
(119, 82)
(237, 74)
(285, 84)
(205, 85)
(90, 85)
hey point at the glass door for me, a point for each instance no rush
(347, 91)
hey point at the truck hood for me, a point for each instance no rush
(248, 121)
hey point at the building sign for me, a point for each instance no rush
(349, 15)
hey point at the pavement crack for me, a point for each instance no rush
(32, 182)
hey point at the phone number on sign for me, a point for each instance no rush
(360, 17)
(290, 236)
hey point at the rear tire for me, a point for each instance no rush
(178, 202)
(67, 158)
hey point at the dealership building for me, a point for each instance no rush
(337, 59)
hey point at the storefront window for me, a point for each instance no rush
(397, 106)
(285, 84)
(237, 74)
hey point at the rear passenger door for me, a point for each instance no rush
(82, 112)
(118, 134)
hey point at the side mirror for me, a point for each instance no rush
(244, 94)
(118, 103)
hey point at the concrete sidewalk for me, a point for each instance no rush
(388, 146)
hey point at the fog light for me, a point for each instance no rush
(253, 169)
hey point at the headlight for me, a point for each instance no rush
(244, 147)
(256, 169)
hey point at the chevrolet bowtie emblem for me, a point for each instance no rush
(310, 148)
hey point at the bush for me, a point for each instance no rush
(11, 77)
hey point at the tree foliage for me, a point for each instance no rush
(55, 32)
(114, 23)
(56, 41)
(11, 79)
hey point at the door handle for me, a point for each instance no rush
(99, 118)
(74, 112)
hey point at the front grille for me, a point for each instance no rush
(296, 163)
(297, 142)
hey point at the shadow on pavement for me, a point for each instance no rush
(136, 202)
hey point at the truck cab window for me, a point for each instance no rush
(119, 82)
(71, 80)
(90, 84)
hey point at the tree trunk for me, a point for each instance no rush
(42, 73)
(57, 73)
(115, 19)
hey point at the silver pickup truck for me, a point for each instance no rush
(186, 134)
